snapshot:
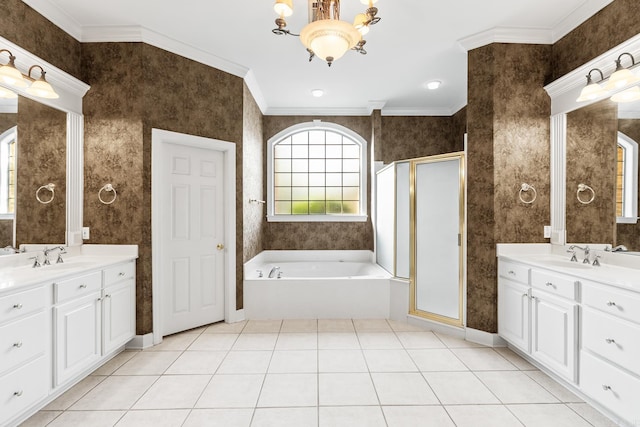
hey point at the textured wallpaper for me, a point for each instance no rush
(629, 234)
(591, 160)
(42, 151)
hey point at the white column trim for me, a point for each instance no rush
(558, 178)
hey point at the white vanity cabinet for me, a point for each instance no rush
(24, 357)
(119, 308)
(514, 304)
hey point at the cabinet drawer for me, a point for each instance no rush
(553, 283)
(22, 340)
(77, 286)
(610, 386)
(513, 271)
(612, 338)
(23, 387)
(119, 272)
(22, 303)
(614, 301)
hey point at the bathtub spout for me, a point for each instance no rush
(275, 271)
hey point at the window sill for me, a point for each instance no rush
(627, 220)
(317, 218)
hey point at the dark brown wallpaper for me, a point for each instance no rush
(6, 232)
(611, 26)
(591, 160)
(315, 235)
(508, 144)
(42, 148)
(7, 121)
(629, 234)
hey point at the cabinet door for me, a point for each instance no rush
(119, 315)
(553, 333)
(77, 341)
(513, 313)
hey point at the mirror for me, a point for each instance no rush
(33, 140)
(602, 153)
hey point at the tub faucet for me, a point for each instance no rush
(586, 252)
(619, 248)
(275, 271)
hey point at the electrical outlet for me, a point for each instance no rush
(547, 231)
(85, 233)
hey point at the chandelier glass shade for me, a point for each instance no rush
(326, 36)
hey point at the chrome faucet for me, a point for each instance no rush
(619, 248)
(36, 262)
(596, 263)
(586, 252)
(275, 271)
(573, 256)
(11, 248)
(59, 260)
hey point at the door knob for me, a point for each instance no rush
(220, 246)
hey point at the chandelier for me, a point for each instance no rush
(326, 36)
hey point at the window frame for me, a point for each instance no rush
(630, 197)
(6, 137)
(311, 126)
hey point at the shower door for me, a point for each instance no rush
(437, 223)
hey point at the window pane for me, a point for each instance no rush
(316, 208)
(283, 193)
(300, 208)
(334, 193)
(316, 165)
(351, 179)
(316, 193)
(299, 165)
(334, 151)
(283, 179)
(351, 151)
(350, 207)
(282, 151)
(334, 207)
(299, 138)
(316, 137)
(300, 152)
(334, 165)
(300, 193)
(351, 165)
(334, 179)
(282, 166)
(299, 179)
(316, 151)
(283, 208)
(334, 138)
(286, 141)
(316, 179)
(350, 193)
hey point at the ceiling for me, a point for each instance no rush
(415, 42)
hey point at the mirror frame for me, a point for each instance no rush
(71, 91)
(564, 92)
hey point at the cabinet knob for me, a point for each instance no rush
(83, 286)
(606, 387)
(121, 274)
(107, 296)
(611, 303)
(549, 284)
(17, 393)
(525, 295)
(17, 306)
(17, 344)
(610, 340)
(511, 272)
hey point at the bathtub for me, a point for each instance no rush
(315, 285)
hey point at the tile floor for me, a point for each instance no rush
(317, 373)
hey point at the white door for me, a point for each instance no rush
(191, 237)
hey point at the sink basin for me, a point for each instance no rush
(70, 265)
(564, 263)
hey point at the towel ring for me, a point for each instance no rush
(50, 186)
(525, 188)
(585, 187)
(108, 188)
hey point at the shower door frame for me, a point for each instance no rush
(413, 310)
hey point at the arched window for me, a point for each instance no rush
(8, 173)
(627, 180)
(317, 172)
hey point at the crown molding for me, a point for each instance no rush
(56, 15)
(438, 112)
(318, 111)
(254, 88)
(507, 35)
(577, 17)
(9, 109)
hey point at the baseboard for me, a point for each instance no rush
(485, 338)
(436, 326)
(236, 316)
(140, 342)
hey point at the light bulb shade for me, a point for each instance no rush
(621, 78)
(7, 94)
(12, 76)
(42, 89)
(590, 92)
(360, 23)
(283, 7)
(629, 95)
(329, 39)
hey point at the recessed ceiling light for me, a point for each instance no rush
(433, 85)
(317, 93)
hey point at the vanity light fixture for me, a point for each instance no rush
(630, 95)
(326, 36)
(622, 76)
(592, 90)
(10, 75)
(7, 94)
